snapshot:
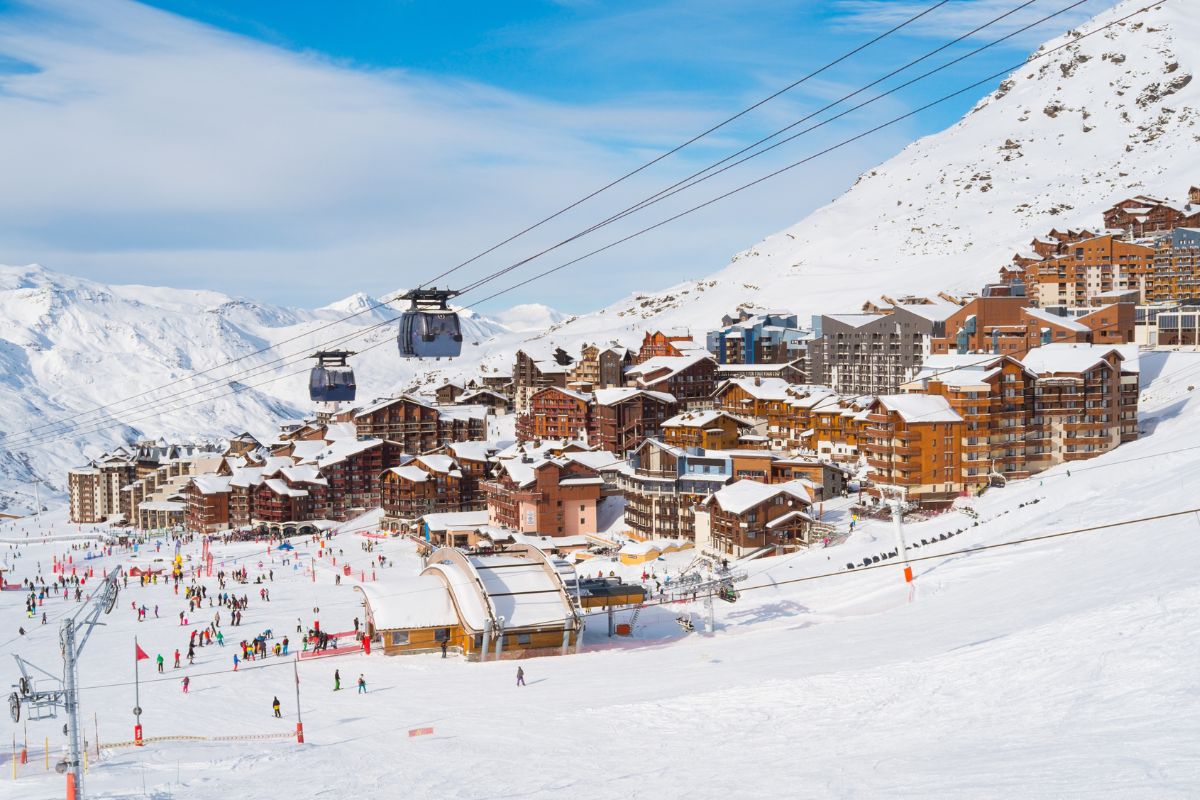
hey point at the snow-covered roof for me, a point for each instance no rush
(464, 591)
(456, 520)
(743, 495)
(703, 419)
(438, 463)
(384, 402)
(938, 311)
(421, 601)
(1062, 322)
(211, 484)
(1065, 357)
(672, 364)
(303, 473)
(584, 397)
(760, 388)
(791, 516)
(963, 378)
(521, 590)
(608, 397)
(855, 320)
(585, 481)
(522, 472)
(475, 451)
(742, 368)
(464, 412)
(283, 490)
(595, 459)
(411, 473)
(307, 449)
(920, 407)
(342, 449)
(336, 431)
(246, 476)
(161, 505)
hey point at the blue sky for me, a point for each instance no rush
(299, 152)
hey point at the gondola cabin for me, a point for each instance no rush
(332, 379)
(429, 329)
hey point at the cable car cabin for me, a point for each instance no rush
(429, 329)
(332, 379)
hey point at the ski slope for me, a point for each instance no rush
(1058, 668)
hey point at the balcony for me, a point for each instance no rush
(878, 463)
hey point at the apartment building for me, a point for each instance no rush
(1080, 271)
(666, 485)
(915, 442)
(622, 418)
(1007, 326)
(773, 337)
(690, 379)
(1176, 273)
(1085, 399)
(671, 344)
(408, 422)
(555, 413)
(547, 496)
(869, 354)
(708, 429)
(747, 515)
(996, 400)
(538, 368)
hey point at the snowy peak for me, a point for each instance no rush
(529, 318)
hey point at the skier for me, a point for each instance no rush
(160, 662)
(443, 648)
(186, 681)
(362, 684)
(337, 681)
(176, 658)
(275, 705)
(520, 676)
(235, 662)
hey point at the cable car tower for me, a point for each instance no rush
(331, 381)
(428, 328)
(44, 703)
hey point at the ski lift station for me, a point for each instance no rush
(513, 604)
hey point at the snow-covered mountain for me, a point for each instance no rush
(1108, 116)
(70, 345)
(1105, 117)
(529, 318)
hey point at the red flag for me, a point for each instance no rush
(139, 653)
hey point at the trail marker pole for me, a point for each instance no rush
(299, 722)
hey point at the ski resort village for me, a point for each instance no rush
(899, 503)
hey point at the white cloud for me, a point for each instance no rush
(961, 16)
(147, 148)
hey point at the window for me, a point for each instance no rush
(582, 508)
(399, 638)
(442, 635)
